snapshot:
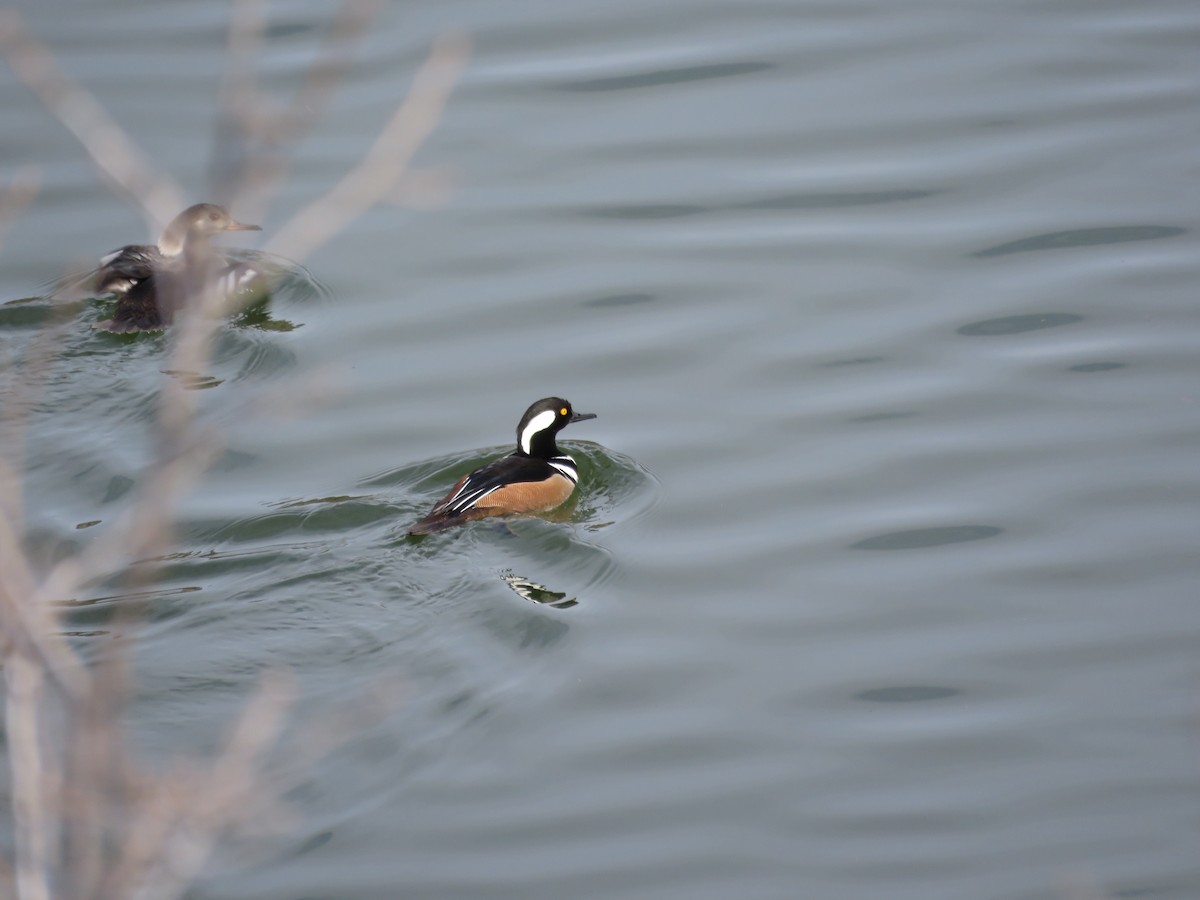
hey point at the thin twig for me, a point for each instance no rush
(123, 832)
(383, 168)
(17, 197)
(239, 104)
(223, 796)
(23, 682)
(325, 74)
(131, 174)
(254, 141)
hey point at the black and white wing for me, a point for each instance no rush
(122, 269)
(506, 470)
(116, 273)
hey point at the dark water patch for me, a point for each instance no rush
(308, 516)
(1174, 888)
(908, 693)
(646, 211)
(617, 300)
(129, 596)
(258, 528)
(345, 516)
(781, 203)
(613, 487)
(920, 538)
(296, 504)
(882, 416)
(283, 30)
(194, 381)
(252, 354)
(259, 316)
(1083, 237)
(662, 77)
(1018, 324)
(118, 487)
(29, 312)
(88, 617)
(211, 564)
(234, 460)
(852, 361)
(522, 626)
(428, 473)
(834, 200)
(1097, 367)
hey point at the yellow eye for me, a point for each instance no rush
(563, 411)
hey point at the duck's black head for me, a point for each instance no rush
(198, 222)
(541, 422)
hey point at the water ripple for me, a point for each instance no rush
(1083, 237)
(920, 538)
(907, 693)
(662, 77)
(1018, 324)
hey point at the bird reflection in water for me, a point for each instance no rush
(538, 593)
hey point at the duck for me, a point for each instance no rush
(536, 477)
(153, 281)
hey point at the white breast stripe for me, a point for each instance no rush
(566, 466)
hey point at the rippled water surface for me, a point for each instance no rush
(883, 577)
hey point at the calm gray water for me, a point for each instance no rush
(885, 559)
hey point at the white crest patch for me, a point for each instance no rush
(540, 422)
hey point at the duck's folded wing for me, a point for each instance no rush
(503, 472)
(116, 273)
(122, 269)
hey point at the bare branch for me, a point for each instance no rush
(254, 140)
(165, 859)
(239, 103)
(89, 822)
(132, 175)
(23, 682)
(17, 196)
(349, 25)
(383, 168)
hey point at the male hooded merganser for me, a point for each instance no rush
(534, 478)
(152, 282)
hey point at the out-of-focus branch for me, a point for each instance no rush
(170, 849)
(239, 105)
(15, 198)
(132, 175)
(13, 202)
(325, 75)
(89, 822)
(382, 170)
(32, 812)
(254, 140)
